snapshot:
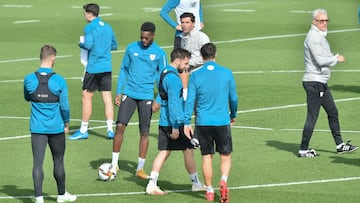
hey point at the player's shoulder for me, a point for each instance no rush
(29, 77)
(157, 48)
(57, 76)
(133, 46)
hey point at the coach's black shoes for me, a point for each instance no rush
(308, 153)
(345, 148)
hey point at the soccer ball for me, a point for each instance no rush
(104, 172)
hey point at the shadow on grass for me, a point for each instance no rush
(345, 160)
(24, 195)
(346, 88)
(293, 148)
(289, 147)
(91, 132)
(169, 186)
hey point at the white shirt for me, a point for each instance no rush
(193, 42)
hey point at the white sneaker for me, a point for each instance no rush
(67, 197)
(39, 199)
(153, 189)
(198, 187)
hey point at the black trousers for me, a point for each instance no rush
(57, 147)
(318, 94)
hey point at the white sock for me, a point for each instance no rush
(109, 124)
(84, 127)
(141, 163)
(154, 177)
(224, 178)
(194, 178)
(209, 188)
(115, 158)
(185, 93)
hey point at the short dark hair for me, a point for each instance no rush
(208, 51)
(179, 53)
(148, 27)
(47, 51)
(92, 8)
(188, 15)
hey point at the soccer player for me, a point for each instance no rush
(142, 62)
(180, 7)
(214, 89)
(49, 121)
(99, 41)
(318, 60)
(171, 123)
(191, 40)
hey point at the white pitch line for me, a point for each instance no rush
(106, 14)
(239, 10)
(154, 121)
(343, 131)
(26, 21)
(216, 42)
(101, 7)
(187, 191)
(31, 59)
(230, 4)
(290, 71)
(300, 11)
(151, 10)
(297, 183)
(235, 72)
(291, 106)
(16, 6)
(251, 128)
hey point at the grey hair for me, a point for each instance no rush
(317, 11)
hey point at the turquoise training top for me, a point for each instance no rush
(140, 69)
(99, 41)
(214, 89)
(48, 118)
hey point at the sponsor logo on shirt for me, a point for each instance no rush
(210, 67)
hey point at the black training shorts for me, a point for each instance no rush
(218, 136)
(97, 81)
(166, 143)
(127, 109)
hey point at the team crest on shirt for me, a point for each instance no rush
(136, 54)
(193, 4)
(152, 57)
(210, 67)
(101, 23)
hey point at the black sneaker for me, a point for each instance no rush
(345, 148)
(308, 153)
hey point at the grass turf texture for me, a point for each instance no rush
(264, 48)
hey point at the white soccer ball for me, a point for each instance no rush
(104, 172)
